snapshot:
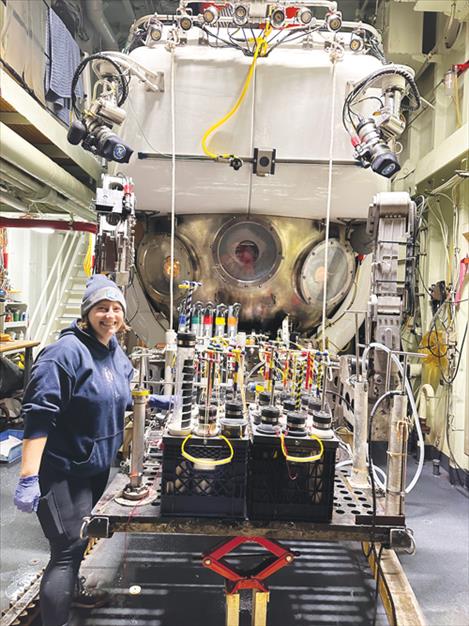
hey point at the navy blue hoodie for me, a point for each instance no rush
(77, 395)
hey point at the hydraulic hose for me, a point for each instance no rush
(408, 388)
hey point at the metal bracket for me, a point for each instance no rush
(402, 540)
(159, 82)
(98, 527)
(264, 162)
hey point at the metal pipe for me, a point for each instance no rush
(26, 157)
(397, 457)
(34, 191)
(128, 10)
(426, 396)
(95, 13)
(18, 178)
(13, 202)
(138, 437)
(359, 477)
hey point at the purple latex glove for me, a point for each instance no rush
(27, 494)
(156, 401)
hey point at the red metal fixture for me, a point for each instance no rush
(6, 222)
(253, 578)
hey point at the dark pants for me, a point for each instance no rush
(65, 500)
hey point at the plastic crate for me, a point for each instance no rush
(190, 492)
(15, 452)
(281, 490)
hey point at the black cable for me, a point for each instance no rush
(339, 395)
(385, 395)
(367, 82)
(453, 377)
(456, 465)
(372, 550)
(124, 86)
(227, 44)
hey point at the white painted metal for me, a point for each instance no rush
(286, 107)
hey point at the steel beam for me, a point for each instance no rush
(27, 107)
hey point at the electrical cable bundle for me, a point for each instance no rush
(123, 87)
(357, 94)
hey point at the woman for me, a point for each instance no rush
(73, 412)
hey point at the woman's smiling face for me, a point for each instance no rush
(106, 319)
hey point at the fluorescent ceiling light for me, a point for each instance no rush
(43, 229)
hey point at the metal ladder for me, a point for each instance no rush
(60, 299)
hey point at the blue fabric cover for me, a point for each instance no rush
(77, 395)
(64, 57)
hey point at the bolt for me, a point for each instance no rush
(289, 558)
(207, 562)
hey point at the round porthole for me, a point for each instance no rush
(154, 261)
(340, 273)
(247, 252)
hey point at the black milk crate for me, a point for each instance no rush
(190, 492)
(284, 490)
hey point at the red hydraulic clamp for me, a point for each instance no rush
(254, 577)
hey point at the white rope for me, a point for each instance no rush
(173, 192)
(328, 208)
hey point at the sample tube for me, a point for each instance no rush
(220, 320)
(207, 323)
(185, 371)
(182, 320)
(196, 319)
(232, 320)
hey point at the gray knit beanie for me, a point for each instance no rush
(98, 288)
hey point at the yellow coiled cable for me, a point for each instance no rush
(261, 50)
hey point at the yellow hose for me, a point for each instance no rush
(302, 459)
(261, 50)
(208, 462)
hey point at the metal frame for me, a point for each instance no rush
(350, 522)
(351, 518)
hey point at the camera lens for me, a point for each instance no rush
(76, 132)
(111, 147)
(386, 164)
